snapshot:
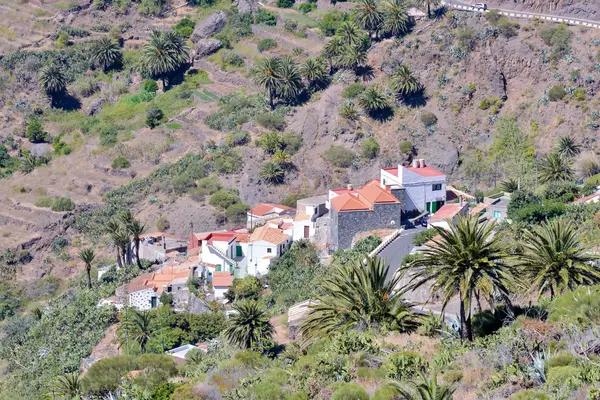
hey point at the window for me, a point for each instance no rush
(269, 249)
(497, 214)
(437, 186)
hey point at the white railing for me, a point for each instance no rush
(385, 242)
(223, 255)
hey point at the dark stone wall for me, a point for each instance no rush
(346, 224)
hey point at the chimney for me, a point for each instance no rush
(415, 163)
(421, 162)
(350, 187)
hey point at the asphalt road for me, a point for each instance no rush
(396, 250)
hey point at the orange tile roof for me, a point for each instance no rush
(368, 195)
(242, 237)
(479, 208)
(425, 171)
(373, 193)
(268, 234)
(222, 279)
(348, 202)
(301, 216)
(139, 283)
(448, 211)
(152, 235)
(267, 208)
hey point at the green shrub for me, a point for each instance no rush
(508, 28)
(266, 17)
(385, 392)
(406, 147)
(285, 3)
(235, 109)
(162, 224)
(558, 38)
(331, 21)
(266, 44)
(424, 236)
(35, 131)
(353, 90)
(431, 325)
(205, 186)
(227, 161)
(349, 391)
(452, 376)
(428, 118)
(185, 27)
(86, 86)
(182, 183)
(305, 8)
(120, 162)
(340, 156)
(561, 359)
(563, 378)
(63, 204)
(579, 306)
(271, 120)
(403, 365)
(150, 86)
(154, 117)
(579, 94)
(369, 148)
(530, 394)
(60, 147)
(223, 199)
(238, 138)
(236, 213)
(556, 93)
(491, 102)
(108, 135)
(44, 202)
(230, 59)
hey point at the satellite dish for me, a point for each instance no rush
(392, 222)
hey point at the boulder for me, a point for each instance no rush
(95, 107)
(212, 24)
(205, 47)
(246, 6)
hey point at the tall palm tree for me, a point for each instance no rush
(272, 173)
(467, 260)
(106, 52)
(69, 386)
(164, 54)
(556, 259)
(359, 295)
(290, 84)
(567, 147)
(424, 389)
(509, 185)
(404, 82)
(88, 256)
(428, 4)
(332, 51)
(395, 17)
(368, 15)
(353, 57)
(250, 325)
(373, 99)
(554, 168)
(267, 74)
(350, 34)
(136, 325)
(314, 71)
(53, 80)
(135, 228)
(121, 240)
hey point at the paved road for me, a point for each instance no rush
(396, 250)
(460, 5)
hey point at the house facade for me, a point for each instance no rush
(267, 243)
(419, 187)
(305, 220)
(264, 212)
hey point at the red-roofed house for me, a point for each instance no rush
(266, 211)
(267, 243)
(221, 281)
(419, 186)
(448, 212)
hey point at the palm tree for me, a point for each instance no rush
(349, 34)
(395, 17)
(106, 52)
(353, 57)
(164, 54)
(467, 260)
(282, 157)
(556, 259)
(272, 173)
(87, 256)
(554, 167)
(314, 71)
(510, 185)
(267, 73)
(368, 15)
(135, 228)
(290, 84)
(332, 51)
(425, 389)
(53, 80)
(250, 325)
(567, 147)
(68, 385)
(373, 100)
(359, 295)
(137, 325)
(404, 82)
(121, 240)
(428, 4)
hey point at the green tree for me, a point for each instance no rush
(120, 239)
(282, 158)
(556, 259)
(290, 84)
(369, 16)
(359, 295)
(353, 57)
(567, 147)
(332, 51)
(404, 82)
(428, 4)
(53, 80)
(395, 17)
(373, 100)
(137, 325)
(87, 256)
(554, 167)
(272, 173)
(314, 71)
(68, 385)
(267, 74)
(35, 131)
(424, 389)
(135, 228)
(165, 53)
(467, 260)
(350, 34)
(106, 52)
(249, 325)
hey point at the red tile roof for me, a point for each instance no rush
(374, 193)
(267, 208)
(425, 171)
(448, 211)
(348, 202)
(242, 237)
(222, 279)
(393, 171)
(586, 198)
(364, 198)
(478, 208)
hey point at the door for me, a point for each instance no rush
(306, 232)
(238, 251)
(153, 302)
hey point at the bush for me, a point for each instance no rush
(238, 138)
(271, 120)
(237, 213)
(162, 224)
(428, 118)
(305, 8)
(385, 392)
(185, 27)
(63, 204)
(108, 135)
(266, 44)
(508, 28)
(353, 90)
(120, 162)
(561, 378)
(579, 94)
(150, 86)
(154, 117)
(86, 86)
(285, 3)
(491, 102)
(231, 59)
(349, 391)
(205, 186)
(35, 132)
(403, 365)
(535, 213)
(44, 202)
(561, 359)
(578, 307)
(182, 183)
(424, 236)
(369, 148)
(266, 17)
(556, 93)
(223, 199)
(331, 21)
(340, 156)
(431, 325)
(530, 394)
(558, 38)
(406, 147)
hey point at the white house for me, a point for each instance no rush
(424, 186)
(264, 212)
(144, 291)
(308, 210)
(266, 245)
(221, 281)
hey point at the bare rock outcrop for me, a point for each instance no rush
(211, 25)
(246, 6)
(205, 47)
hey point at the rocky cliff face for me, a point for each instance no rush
(585, 9)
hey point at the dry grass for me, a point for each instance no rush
(425, 345)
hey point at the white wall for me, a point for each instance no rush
(256, 263)
(142, 299)
(220, 291)
(298, 229)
